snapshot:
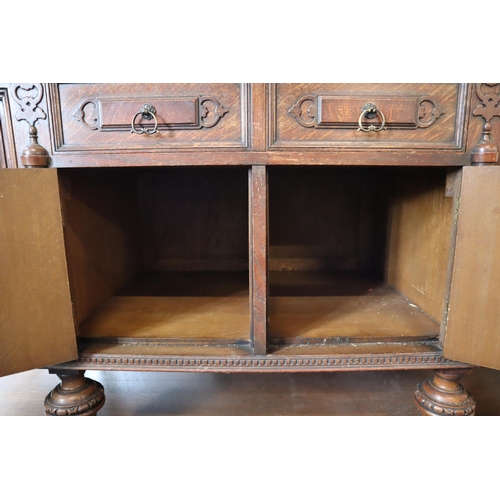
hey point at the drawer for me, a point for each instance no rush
(99, 117)
(393, 116)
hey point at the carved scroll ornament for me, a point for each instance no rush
(486, 151)
(28, 96)
(489, 95)
(176, 113)
(344, 111)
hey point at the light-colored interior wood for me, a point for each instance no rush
(101, 234)
(379, 312)
(420, 223)
(182, 305)
(170, 317)
(473, 331)
(359, 253)
(36, 317)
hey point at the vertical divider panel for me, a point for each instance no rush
(258, 245)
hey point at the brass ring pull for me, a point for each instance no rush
(370, 110)
(148, 112)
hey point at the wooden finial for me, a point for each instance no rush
(486, 151)
(34, 155)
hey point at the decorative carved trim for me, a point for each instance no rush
(440, 410)
(428, 112)
(28, 96)
(423, 109)
(80, 409)
(218, 111)
(298, 110)
(263, 363)
(489, 94)
(75, 395)
(443, 395)
(208, 113)
(29, 108)
(486, 151)
(91, 121)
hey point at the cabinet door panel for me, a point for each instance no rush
(36, 318)
(473, 326)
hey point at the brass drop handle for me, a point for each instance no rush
(148, 112)
(370, 110)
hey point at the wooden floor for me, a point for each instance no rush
(348, 394)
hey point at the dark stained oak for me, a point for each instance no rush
(411, 111)
(259, 244)
(91, 117)
(286, 228)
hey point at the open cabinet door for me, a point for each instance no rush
(473, 324)
(36, 317)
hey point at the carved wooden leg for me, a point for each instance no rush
(75, 395)
(443, 395)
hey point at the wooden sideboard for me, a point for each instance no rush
(249, 227)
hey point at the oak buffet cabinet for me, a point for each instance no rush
(249, 227)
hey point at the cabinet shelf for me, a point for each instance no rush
(175, 308)
(331, 308)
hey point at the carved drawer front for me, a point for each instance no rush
(107, 117)
(401, 116)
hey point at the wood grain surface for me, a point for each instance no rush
(382, 316)
(473, 329)
(170, 317)
(420, 224)
(36, 316)
(446, 132)
(231, 131)
(101, 234)
(259, 248)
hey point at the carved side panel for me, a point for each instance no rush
(28, 97)
(7, 145)
(489, 94)
(486, 151)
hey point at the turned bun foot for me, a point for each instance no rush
(442, 395)
(76, 395)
